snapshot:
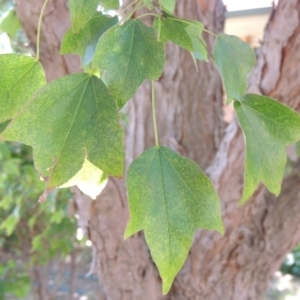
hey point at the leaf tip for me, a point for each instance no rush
(244, 199)
(127, 234)
(221, 229)
(167, 284)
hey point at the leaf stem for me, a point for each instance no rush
(210, 32)
(154, 115)
(148, 14)
(129, 15)
(124, 9)
(38, 39)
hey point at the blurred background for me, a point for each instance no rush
(44, 254)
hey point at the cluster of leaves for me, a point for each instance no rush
(73, 123)
(29, 231)
(13, 281)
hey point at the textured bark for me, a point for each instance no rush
(189, 104)
(56, 22)
(257, 237)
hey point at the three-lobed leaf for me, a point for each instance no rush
(269, 127)
(170, 197)
(70, 119)
(84, 41)
(235, 59)
(130, 54)
(184, 33)
(20, 77)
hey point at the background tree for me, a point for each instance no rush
(239, 265)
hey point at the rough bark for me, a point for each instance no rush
(56, 22)
(184, 97)
(189, 105)
(257, 237)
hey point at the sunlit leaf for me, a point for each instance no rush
(90, 180)
(10, 24)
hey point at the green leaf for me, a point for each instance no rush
(10, 222)
(19, 287)
(20, 77)
(131, 54)
(70, 119)
(269, 127)
(81, 12)
(169, 5)
(6, 202)
(57, 216)
(148, 4)
(90, 180)
(109, 4)
(10, 24)
(199, 45)
(235, 60)
(170, 197)
(184, 33)
(84, 41)
(37, 242)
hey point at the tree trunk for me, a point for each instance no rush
(189, 105)
(56, 22)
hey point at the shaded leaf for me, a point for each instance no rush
(184, 33)
(70, 119)
(109, 4)
(90, 180)
(84, 41)
(130, 53)
(269, 127)
(170, 197)
(81, 12)
(20, 77)
(235, 60)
